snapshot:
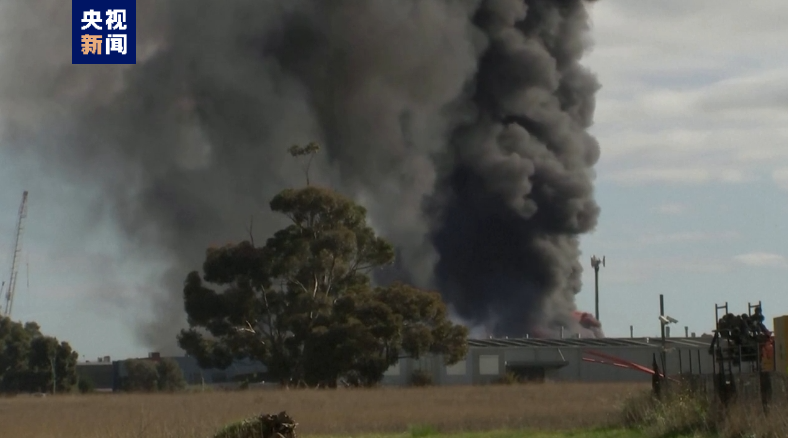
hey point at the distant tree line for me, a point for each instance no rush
(304, 304)
(33, 362)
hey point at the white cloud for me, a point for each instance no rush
(675, 142)
(687, 237)
(685, 99)
(762, 259)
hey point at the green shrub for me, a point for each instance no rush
(262, 426)
(249, 428)
(678, 414)
(85, 385)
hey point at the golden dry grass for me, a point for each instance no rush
(750, 421)
(319, 412)
(687, 413)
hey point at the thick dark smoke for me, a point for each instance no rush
(460, 124)
(520, 189)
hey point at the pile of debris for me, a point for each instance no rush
(261, 426)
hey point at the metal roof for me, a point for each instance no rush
(586, 342)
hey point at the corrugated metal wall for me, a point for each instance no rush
(484, 365)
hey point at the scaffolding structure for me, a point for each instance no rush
(738, 347)
(16, 258)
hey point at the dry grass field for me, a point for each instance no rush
(319, 412)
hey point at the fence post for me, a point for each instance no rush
(656, 379)
(681, 366)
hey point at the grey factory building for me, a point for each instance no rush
(489, 360)
(573, 359)
(107, 375)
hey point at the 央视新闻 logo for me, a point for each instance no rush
(104, 32)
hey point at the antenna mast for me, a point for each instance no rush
(20, 227)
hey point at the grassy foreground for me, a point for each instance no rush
(601, 433)
(407, 413)
(684, 412)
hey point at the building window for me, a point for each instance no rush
(458, 369)
(489, 365)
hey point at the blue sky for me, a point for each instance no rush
(693, 124)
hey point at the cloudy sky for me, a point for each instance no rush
(693, 184)
(693, 122)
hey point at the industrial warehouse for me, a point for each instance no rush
(588, 360)
(740, 344)
(526, 359)
(489, 361)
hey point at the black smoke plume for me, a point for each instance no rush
(460, 124)
(519, 190)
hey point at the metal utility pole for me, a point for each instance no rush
(662, 312)
(662, 355)
(20, 227)
(664, 320)
(595, 263)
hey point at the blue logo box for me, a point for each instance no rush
(103, 31)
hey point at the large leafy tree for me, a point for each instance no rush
(303, 304)
(170, 376)
(14, 352)
(30, 361)
(370, 329)
(141, 375)
(53, 361)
